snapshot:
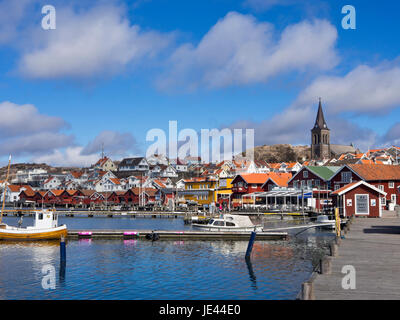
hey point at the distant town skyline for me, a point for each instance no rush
(113, 70)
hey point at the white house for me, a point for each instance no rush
(52, 183)
(169, 171)
(134, 164)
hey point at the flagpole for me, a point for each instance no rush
(5, 186)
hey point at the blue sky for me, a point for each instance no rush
(112, 70)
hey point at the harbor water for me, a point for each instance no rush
(140, 269)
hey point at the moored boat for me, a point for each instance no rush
(45, 227)
(229, 222)
(326, 223)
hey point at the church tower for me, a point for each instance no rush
(320, 137)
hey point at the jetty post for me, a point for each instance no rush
(250, 245)
(63, 259)
(63, 255)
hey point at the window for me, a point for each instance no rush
(305, 174)
(219, 223)
(317, 182)
(337, 187)
(391, 184)
(346, 177)
(40, 216)
(230, 224)
(393, 198)
(380, 187)
(362, 204)
(383, 201)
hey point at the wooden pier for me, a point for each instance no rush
(174, 235)
(371, 246)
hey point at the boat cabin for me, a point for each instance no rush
(229, 220)
(45, 219)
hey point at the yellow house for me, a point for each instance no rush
(201, 190)
(224, 190)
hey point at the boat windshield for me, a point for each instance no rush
(219, 223)
(211, 221)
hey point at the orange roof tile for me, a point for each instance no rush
(115, 180)
(256, 178)
(370, 172)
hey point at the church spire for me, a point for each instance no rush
(320, 120)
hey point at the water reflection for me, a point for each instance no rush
(251, 273)
(110, 269)
(130, 242)
(85, 242)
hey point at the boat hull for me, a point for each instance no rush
(206, 227)
(27, 234)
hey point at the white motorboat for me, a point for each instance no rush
(229, 222)
(327, 224)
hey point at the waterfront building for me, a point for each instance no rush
(310, 177)
(384, 177)
(200, 190)
(359, 199)
(12, 192)
(244, 184)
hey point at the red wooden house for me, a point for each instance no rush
(359, 199)
(384, 177)
(245, 184)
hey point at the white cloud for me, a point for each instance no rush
(240, 50)
(115, 143)
(70, 157)
(89, 42)
(36, 143)
(25, 131)
(363, 90)
(25, 119)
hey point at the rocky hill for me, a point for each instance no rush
(282, 153)
(24, 166)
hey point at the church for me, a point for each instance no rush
(321, 147)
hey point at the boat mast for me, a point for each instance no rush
(4, 191)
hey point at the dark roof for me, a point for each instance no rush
(130, 161)
(320, 120)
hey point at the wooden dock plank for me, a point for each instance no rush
(372, 247)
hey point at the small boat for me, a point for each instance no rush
(229, 222)
(327, 224)
(45, 228)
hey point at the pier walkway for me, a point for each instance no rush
(372, 247)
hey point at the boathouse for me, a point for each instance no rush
(359, 199)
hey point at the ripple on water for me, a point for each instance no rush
(138, 269)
